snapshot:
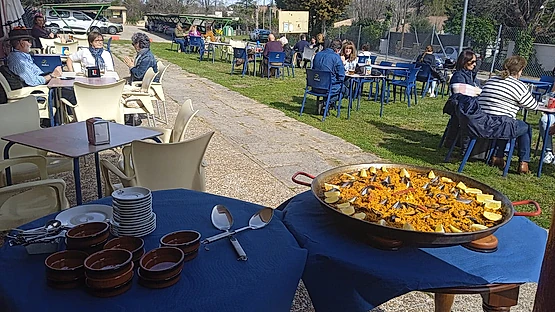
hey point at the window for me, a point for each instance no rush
(449, 50)
(81, 16)
(62, 14)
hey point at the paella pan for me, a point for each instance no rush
(413, 204)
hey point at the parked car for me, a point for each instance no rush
(113, 28)
(451, 53)
(67, 20)
(259, 35)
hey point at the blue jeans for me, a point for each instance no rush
(181, 43)
(523, 136)
(543, 125)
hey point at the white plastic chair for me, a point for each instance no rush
(47, 45)
(138, 99)
(25, 202)
(22, 116)
(97, 101)
(37, 91)
(71, 48)
(308, 55)
(177, 133)
(159, 166)
(156, 86)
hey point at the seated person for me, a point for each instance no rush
(39, 31)
(428, 58)
(179, 36)
(329, 60)
(504, 95)
(95, 55)
(365, 50)
(299, 48)
(287, 49)
(209, 35)
(271, 46)
(144, 59)
(193, 31)
(464, 70)
(349, 56)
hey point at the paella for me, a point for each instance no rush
(410, 200)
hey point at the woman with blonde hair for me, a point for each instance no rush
(504, 95)
(320, 42)
(349, 56)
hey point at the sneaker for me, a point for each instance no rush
(548, 158)
(432, 95)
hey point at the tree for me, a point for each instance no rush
(245, 10)
(322, 12)
(481, 29)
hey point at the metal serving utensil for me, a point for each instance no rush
(223, 220)
(259, 220)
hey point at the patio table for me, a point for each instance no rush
(344, 273)
(71, 140)
(213, 281)
(358, 79)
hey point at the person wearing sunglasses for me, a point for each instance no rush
(465, 72)
(95, 55)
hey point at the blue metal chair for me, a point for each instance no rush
(319, 84)
(373, 59)
(291, 65)
(362, 59)
(403, 73)
(240, 54)
(276, 60)
(173, 42)
(47, 63)
(425, 76)
(540, 91)
(408, 83)
(109, 44)
(195, 42)
(209, 51)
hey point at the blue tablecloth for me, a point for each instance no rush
(214, 281)
(345, 274)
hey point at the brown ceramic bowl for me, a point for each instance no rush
(149, 283)
(85, 235)
(133, 244)
(108, 263)
(65, 266)
(188, 241)
(161, 263)
(89, 250)
(65, 284)
(110, 292)
(110, 282)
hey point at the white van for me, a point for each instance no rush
(76, 20)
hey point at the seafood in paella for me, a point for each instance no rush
(410, 200)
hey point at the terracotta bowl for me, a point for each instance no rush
(85, 235)
(149, 283)
(161, 263)
(65, 266)
(110, 292)
(188, 241)
(133, 244)
(108, 263)
(110, 282)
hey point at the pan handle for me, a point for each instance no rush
(301, 173)
(528, 214)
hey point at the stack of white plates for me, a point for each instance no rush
(133, 214)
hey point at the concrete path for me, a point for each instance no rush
(256, 150)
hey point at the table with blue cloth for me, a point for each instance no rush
(344, 273)
(214, 281)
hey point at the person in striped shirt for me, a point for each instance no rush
(504, 95)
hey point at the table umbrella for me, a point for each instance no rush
(11, 15)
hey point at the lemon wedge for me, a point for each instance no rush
(360, 215)
(492, 204)
(454, 229)
(481, 198)
(363, 173)
(348, 211)
(331, 200)
(344, 205)
(439, 228)
(328, 186)
(373, 170)
(332, 193)
(470, 190)
(446, 180)
(384, 169)
(461, 186)
(404, 173)
(478, 227)
(492, 216)
(431, 175)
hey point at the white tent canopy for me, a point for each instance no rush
(11, 12)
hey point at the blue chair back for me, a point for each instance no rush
(549, 79)
(318, 79)
(403, 72)
(240, 53)
(385, 63)
(362, 59)
(413, 73)
(47, 63)
(425, 71)
(109, 43)
(195, 41)
(373, 59)
(276, 57)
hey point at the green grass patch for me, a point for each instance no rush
(402, 135)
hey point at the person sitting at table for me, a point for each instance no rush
(144, 59)
(312, 42)
(299, 48)
(209, 35)
(39, 31)
(95, 55)
(329, 60)
(193, 31)
(428, 58)
(464, 70)
(179, 36)
(504, 95)
(349, 56)
(320, 42)
(365, 50)
(287, 49)
(271, 46)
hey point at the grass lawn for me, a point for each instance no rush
(402, 135)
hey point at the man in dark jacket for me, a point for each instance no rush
(39, 31)
(329, 60)
(299, 48)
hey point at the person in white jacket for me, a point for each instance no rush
(95, 55)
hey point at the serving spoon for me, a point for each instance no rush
(259, 220)
(223, 220)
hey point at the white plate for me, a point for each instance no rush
(131, 194)
(131, 209)
(85, 213)
(127, 222)
(137, 233)
(134, 225)
(126, 204)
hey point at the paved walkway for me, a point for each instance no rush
(256, 150)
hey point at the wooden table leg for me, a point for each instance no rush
(500, 301)
(443, 302)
